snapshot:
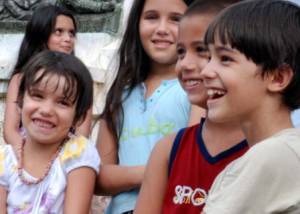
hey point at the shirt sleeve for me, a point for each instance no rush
(259, 182)
(79, 152)
(4, 156)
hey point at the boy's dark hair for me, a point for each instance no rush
(79, 83)
(38, 31)
(267, 32)
(208, 6)
(133, 68)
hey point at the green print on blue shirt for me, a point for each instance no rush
(153, 128)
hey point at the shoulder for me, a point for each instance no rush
(6, 150)
(166, 143)
(278, 144)
(281, 150)
(174, 85)
(8, 161)
(163, 148)
(79, 151)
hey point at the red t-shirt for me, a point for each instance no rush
(192, 170)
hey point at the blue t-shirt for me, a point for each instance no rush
(145, 122)
(296, 118)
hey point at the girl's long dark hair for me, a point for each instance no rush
(38, 31)
(133, 68)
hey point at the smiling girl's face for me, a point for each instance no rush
(158, 29)
(47, 114)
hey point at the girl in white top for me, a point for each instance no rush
(51, 170)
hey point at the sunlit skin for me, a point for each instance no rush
(158, 29)
(47, 115)
(62, 38)
(193, 56)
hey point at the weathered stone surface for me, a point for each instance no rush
(88, 6)
(92, 15)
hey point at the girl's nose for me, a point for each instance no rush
(162, 27)
(67, 37)
(47, 108)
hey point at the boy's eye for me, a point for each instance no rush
(201, 49)
(180, 52)
(226, 59)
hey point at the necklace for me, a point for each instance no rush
(20, 165)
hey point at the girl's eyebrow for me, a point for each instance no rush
(155, 11)
(149, 11)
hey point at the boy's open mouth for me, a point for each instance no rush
(215, 93)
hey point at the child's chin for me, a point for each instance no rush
(216, 117)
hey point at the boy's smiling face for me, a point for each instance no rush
(192, 56)
(235, 87)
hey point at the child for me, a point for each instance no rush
(145, 102)
(52, 28)
(46, 172)
(179, 174)
(253, 77)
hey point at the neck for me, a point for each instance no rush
(40, 150)
(266, 123)
(157, 74)
(163, 71)
(35, 162)
(219, 137)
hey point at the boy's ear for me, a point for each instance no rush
(281, 78)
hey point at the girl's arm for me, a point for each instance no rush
(79, 191)
(85, 127)
(154, 185)
(113, 178)
(12, 114)
(195, 115)
(3, 198)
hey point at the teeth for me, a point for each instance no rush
(214, 92)
(192, 82)
(210, 92)
(43, 124)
